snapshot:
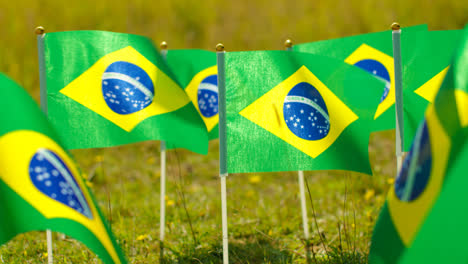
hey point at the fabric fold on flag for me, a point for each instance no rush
(290, 111)
(197, 73)
(107, 89)
(40, 186)
(372, 52)
(423, 220)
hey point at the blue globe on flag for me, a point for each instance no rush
(377, 69)
(207, 96)
(306, 113)
(53, 178)
(416, 168)
(126, 88)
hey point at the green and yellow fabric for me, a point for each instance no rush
(426, 58)
(424, 218)
(40, 186)
(107, 89)
(289, 111)
(197, 72)
(372, 52)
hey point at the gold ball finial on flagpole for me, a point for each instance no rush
(288, 43)
(219, 47)
(163, 45)
(395, 26)
(39, 30)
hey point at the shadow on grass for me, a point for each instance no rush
(259, 251)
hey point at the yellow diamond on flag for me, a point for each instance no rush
(461, 98)
(126, 88)
(423, 174)
(46, 177)
(204, 84)
(303, 112)
(429, 89)
(381, 66)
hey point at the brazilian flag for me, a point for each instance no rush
(40, 186)
(197, 72)
(107, 89)
(289, 111)
(426, 58)
(372, 52)
(424, 218)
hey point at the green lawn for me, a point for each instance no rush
(264, 210)
(265, 223)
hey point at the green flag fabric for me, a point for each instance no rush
(424, 218)
(106, 89)
(372, 52)
(426, 56)
(196, 71)
(289, 111)
(40, 186)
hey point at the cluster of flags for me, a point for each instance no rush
(311, 108)
(424, 217)
(121, 86)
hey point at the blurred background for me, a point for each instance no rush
(264, 210)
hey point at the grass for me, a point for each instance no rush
(264, 209)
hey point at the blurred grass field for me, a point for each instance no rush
(264, 209)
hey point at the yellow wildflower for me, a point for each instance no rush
(142, 237)
(369, 194)
(255, 179)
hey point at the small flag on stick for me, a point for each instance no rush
(40, 186)
(291, 111)
(424, 217)
(107, 89)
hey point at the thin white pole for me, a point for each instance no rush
(40, 32)
(162, 216)
(396, 34)
(305, 223)
(224, 220)
(50, 257)
(300, 175)
(223, 173)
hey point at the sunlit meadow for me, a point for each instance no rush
(264, 209)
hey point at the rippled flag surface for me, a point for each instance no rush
(40, 186)
(107, 89)
(291, 111)
(372, 52)
(196, 71)
(426, 58)
(424, 217)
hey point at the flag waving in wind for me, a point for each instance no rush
(424, 218)
(373, 53)
(196, 71)
(107, 89)
(290, 111)
(40, 186)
